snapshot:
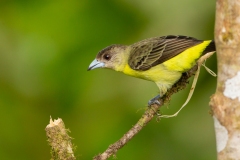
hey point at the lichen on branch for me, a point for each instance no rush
(59, 140)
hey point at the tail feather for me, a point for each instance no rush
(210, 48)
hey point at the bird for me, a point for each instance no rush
(161, 60)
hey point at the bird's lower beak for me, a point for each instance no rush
(95, 64)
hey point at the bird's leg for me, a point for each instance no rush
(154, 101)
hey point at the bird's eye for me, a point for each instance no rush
(107, 57)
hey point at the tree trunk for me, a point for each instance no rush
(225, 103)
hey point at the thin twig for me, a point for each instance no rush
(150, 112)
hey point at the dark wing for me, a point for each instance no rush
(151, 52)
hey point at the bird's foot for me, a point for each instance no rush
(154, 101)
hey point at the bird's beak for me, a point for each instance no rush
(95, 64)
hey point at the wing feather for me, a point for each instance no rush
(151, 52)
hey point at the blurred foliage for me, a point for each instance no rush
(45, 49)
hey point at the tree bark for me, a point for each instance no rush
(225, 103)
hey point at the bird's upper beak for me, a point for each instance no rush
(95, 64)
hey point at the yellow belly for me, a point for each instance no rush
(159, 74)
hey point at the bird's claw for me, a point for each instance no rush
(151, 102)
(154, 101)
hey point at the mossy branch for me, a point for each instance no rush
(59, 140)
(148, 115)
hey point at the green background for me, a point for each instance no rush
(46, 47)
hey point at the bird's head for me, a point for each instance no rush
(112, 57)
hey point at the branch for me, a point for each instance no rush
(150, 112)
(60, 142)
